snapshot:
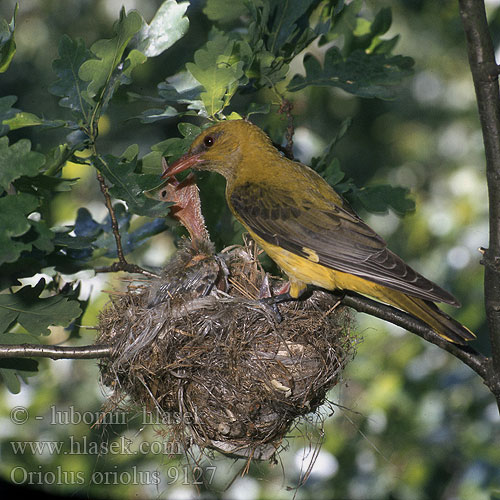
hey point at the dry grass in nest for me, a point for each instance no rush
(196, 344)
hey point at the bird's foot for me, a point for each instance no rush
(272, 304)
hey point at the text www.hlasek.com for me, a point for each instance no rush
(121, 446)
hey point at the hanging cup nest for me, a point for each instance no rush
(196, 343)
(197, 348)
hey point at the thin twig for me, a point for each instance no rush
(122, 264)
(114, 222)
(127, 267)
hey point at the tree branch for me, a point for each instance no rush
(468, 355)
(481, 364)
(475, 360)
(484, 71)
(54, 351)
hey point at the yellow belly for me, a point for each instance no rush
(305, 271)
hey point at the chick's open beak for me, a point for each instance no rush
(183, 163)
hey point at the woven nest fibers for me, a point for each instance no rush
(195, 343)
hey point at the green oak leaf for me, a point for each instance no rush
(43, 238)
(217, 71)
(167, 26)
(378, 199)
(283, 17)
(134, 59)
(224, 11)
(18, 160)
(333, 173)
(180, 88)
(14, 369)
(23, 119)
(360, 73)
(42, 182)
(172, 149)
(13, 118)
(14, 210)
(72, 54)
(129, 186)
(7, 111)
(36, 314)
(154, 114)
(99, 71)
(7, 42)
(346, 20)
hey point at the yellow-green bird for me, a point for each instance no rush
(308, 229)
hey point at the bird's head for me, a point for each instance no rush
(221, 148)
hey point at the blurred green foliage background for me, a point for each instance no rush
(408, 421)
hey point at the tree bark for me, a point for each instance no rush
(484, 71)
(54, 351)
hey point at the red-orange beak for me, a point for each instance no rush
(183, 163)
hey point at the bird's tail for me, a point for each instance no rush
(429, 313)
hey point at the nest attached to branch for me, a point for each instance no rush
(195, 343)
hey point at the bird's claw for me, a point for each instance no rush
(272, 303)
(272, 307)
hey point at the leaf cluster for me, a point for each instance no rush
(87, 79)
(252, 45)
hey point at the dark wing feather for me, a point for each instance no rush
(336, 234)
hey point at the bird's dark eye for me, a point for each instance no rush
(208, 141)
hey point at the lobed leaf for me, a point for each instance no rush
(72, 54)
(14, 210)
(225, 11)
(7, 41)
(167, 26)
(360, 73)
(217, 72)
(180, 88)
(284, 19)
(108, 53)
(129, 186)
(34, 313)
(154, 115)
(23, 119)
(40, 236)
(379, 199)
(18, 160)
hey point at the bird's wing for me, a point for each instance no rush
(331, 235)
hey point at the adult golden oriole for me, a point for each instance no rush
(308, 229)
